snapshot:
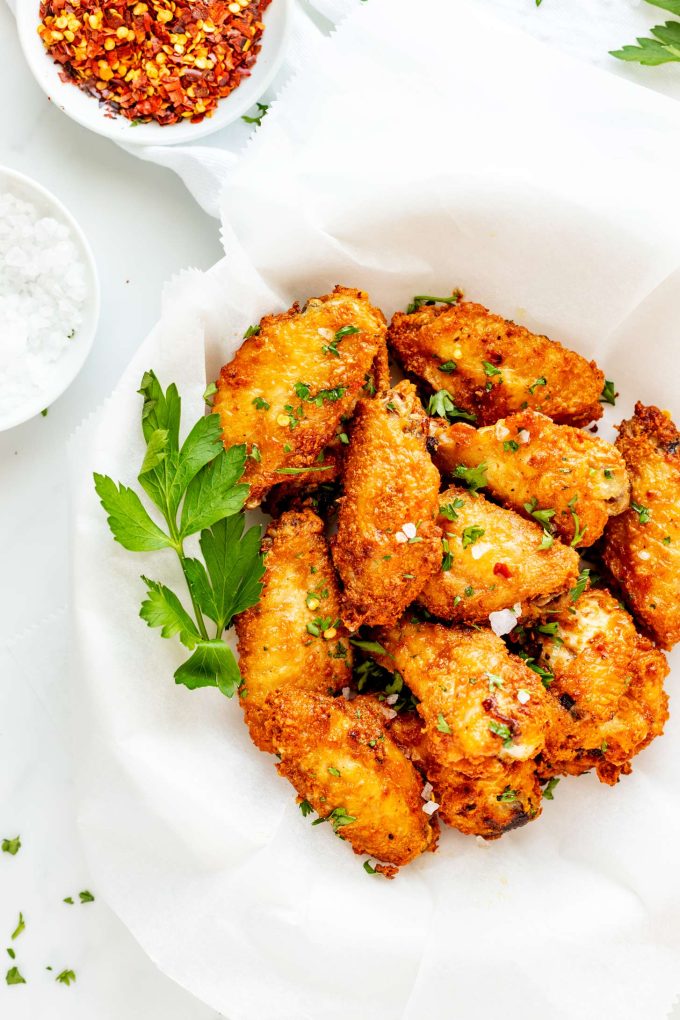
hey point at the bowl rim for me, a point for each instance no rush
(46, 73)
(85, 337)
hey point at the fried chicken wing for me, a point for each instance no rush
(493, 559)
(340, 759)
(387, 543)
(484, 715)
(567, 479)
(642, 546)
(293, 637)
(291, 383)
(492, 367)
(609, 701)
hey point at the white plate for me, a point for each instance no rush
(86, 110)
(67, 366)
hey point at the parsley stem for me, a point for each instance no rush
(197, 611)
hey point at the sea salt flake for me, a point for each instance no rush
(430, 807)
(502, 621)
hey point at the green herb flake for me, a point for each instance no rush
(67, 977)
(441, 405)
(426, 299)
(501, 730)
(471, 535)
(86, 896)
(489, 369)
(442, 724)
(643, 512)
(448, 510)
(251, 331)
(262, 109)
(369, 869)
(608, 395)
(508, 796)
(209, 392)
(447, 559)
(666, 540)
(547, 540)
(261, 404)
(21, 926)
(10, 952)
(580, 586)
(474, 477)
(11, 846)
(541, 381)
(333, 771)
(510, 446)
(549, 788)
(448, 367)
(14, 977)
(305, 807)
(494, 681)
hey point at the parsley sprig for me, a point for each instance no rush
(195, 486)
(663, 48)
(427, 299)
(442, 406)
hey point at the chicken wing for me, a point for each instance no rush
(493, 559)
(642, 546)
(387, 543)
(569, 481)
(607, 684)
(293, 637)
(341, 761)
(484, 715)
(492, 367)
(293, 380)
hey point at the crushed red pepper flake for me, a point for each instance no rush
(159, 61)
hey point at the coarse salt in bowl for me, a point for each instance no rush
(85, 109)
(49, 298)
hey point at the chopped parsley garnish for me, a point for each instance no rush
(507, 796)
(302, 390)
(369, 646)
(21, 925)
(666, 540)
(261, 404)
(549, 787)
(541, 381)
(580, 586)
(426, 299)
(474, 477)
(546, 676)
(86, 896)
(369, 385)
(11, 846)
(337, 817)
(295, 415)
(442, 406)
(345, 331)
(10, 952)
(501, 730)
(210, 391)
(578, 531)
(255, 453)
(343, 437)
(608, 395)
(471, 535)
(66, 977)
(257, 118)
(320, 624)
(489, 369)
(448, 510)
(333, 771)
(494, 681)
(442, 724)
(448, 367)
(305, 807)
(608, 473)
(542, 516)
(469, 592)
(14, 977)
(369, 869)
(510, 446)
(69, 900)
(302, 470)
(332, 347)
(547, 541)
(447, 558)
(643, 512)
(339, 652)
(551, 630)
(251, 331)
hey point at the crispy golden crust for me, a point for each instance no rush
(529, 458)
(389, 482)
(275, 648)
(494, 561)
(286, 352)
(644, 558)
(339, 758)
(516, 360)
(609, 702)
(483, 714)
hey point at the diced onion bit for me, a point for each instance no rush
(161, 61)
(502, 621)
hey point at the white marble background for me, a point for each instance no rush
(143, 227)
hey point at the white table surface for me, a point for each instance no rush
(144, 227)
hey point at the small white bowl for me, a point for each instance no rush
(70, 362)
(86, 110)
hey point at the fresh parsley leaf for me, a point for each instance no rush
(209, 392)
(66, 977)
(303, 391)
(542, 516)
(14, 977)
(471, 535)
(551, 629)
(163, 609)
(664, 48)
(262, 109)
(549, 787)
(201, 446)
(251, 331)
(608, 395)
(426, 299)
(214, 493)
(643, 512)
(547, 541)
(260, 404)
(86, 896)
(490, 370)
(448, 510)
(305, 807)
(441, 405)
(501, 730)
(474, 477)
(21, 926)
(211, 665)
(338, 817)
(580, 586)
(442, 724)
(448, 367)
(11, 846)
(541, 381)
(546, 676)
(128, 520)
(345, 331)
(234, 565)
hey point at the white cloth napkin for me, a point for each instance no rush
(193, 838)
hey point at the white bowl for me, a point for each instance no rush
(86, 110)
(70, 362)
